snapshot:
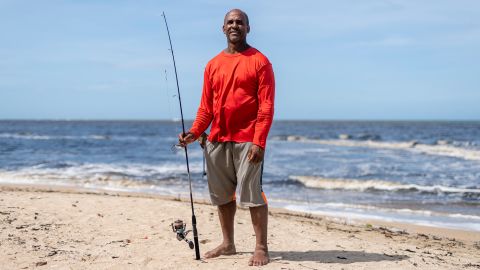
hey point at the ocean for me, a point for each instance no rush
(419, 172)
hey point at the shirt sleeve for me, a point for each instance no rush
(266, 98)
(205, 110)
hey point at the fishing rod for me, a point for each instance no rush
(178, 228)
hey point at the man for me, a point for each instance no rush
(237, 99)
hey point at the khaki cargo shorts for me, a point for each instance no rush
(227, 168)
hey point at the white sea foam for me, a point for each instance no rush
(448, 150)
(440, 149)
(31, 136)
(426, 213)
(128, 173)
(381, 185)
(418, 217)
(164, 179)
(24, 136)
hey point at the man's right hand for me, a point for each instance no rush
(185, 138)
(202, 140)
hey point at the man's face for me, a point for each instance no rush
(235, 27)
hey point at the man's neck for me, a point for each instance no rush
(237, 47)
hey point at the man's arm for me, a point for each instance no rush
(204, 114)
(266, 98)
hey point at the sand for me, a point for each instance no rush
(64, 228)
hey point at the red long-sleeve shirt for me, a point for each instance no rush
(238, 98)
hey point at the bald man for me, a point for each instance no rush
(238, 101)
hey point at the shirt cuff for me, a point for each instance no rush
(195, 133)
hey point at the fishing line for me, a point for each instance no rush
(175, 128)
(204, 171)
(173, 125)
(194, 219)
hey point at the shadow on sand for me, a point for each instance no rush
(333, 256)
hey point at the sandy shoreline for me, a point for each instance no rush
(65, 228)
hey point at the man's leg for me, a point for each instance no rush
(259, 216)
(221, 184)
(226, 214)
(249, 178)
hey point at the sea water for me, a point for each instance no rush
(425, 173)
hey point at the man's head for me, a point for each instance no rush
(236, 26)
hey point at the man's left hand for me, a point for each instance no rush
(255, 154)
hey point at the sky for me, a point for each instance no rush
(333, 60)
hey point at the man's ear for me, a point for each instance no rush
(248, 28)
(223, 29)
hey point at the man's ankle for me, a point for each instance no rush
(228, 243)
(261, 247)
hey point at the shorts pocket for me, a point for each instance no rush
(209, 146)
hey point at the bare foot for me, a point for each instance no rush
(260, 257)
(222, 249)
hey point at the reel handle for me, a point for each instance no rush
(190, 243)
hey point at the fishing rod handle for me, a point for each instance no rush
(195, 238)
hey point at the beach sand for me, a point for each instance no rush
(65, 228)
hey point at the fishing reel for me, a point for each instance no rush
(179, 228)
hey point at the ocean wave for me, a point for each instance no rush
(448, 150)
(26, 136)
(93, 137)
(441, 148)
(365, 212)
(379, 185)
(418, 212)
(374, 208)
(99, 172)
(32, 136)
(358, 137)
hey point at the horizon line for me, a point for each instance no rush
(282, 120)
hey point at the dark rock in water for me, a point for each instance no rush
(413, 143)
(369, 137)
(295, 138)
